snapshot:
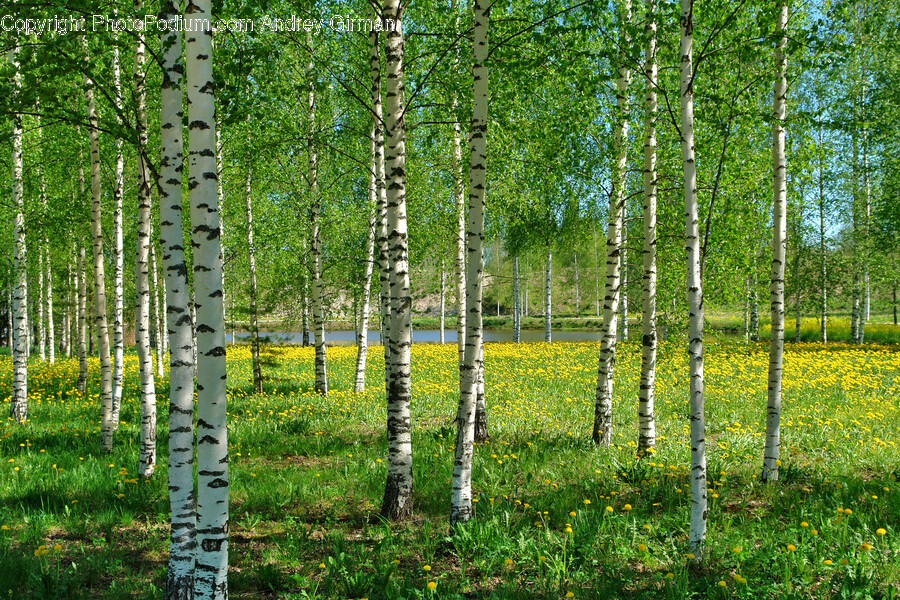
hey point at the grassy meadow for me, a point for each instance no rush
(555, 517)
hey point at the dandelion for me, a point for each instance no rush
(542, 558)
(881, 531)
(736, 550)
(572, 513)
(865, 547)
(428, 567)
(791, 547)
(568, 530)
(845, 562)
(586, 501)
(690, 555)
(57, 548)
(642, 547)
(722, 583)
(609, 509)
(432, 585)
(804, 524)
(570, 595)
(321, 565)
(827, 562)
(508, 562)
(626, 507)
(814, 531)
(670, 575)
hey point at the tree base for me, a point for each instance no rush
(398, 500)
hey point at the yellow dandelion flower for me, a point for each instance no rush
(432, 585)
(881, 531)
(426, 568)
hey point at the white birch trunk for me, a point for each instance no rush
(81, 317)
(459, 210)
(602, 432)
(697, 531)
(577, 291)
(398, 492)
(321, 384)
(362, 338)
(823, 266)
(106, 401)
(517, 303)
(623, 302)
(119, 253)
(384, 265)
(19, 400)
(220, 196)
(156, 297)
(41, 339)
(211, 580)
(779, 246)
(51, 330)
(647, 392)
(754, 313)
(443, 293)
(251, 259)
(548, 299)
(182, 499)
(866, 245)
(471, 369)
(855, 338)
(147, 458)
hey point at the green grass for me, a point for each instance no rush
(307, 475)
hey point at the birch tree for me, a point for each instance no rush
(362, 338)
(119, 253)
(471, 369)
(602, 433)
(147, 459)
(315, 251)
(100, 320)
(19, 403)
(398, 491)
(646, 418)
(378, 166)
(697, 531)
(251, 259)
(183, 533)
(211, 581)
(779, 244)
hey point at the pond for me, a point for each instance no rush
(425, 336)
